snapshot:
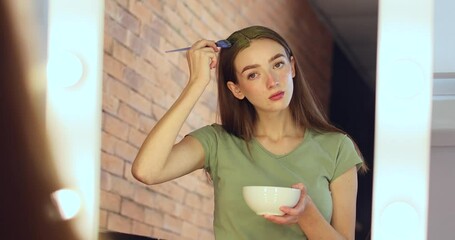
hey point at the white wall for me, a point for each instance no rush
(441, 214)
(441, 211)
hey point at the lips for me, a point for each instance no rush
(277, 96)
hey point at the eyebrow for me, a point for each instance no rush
(278, 55)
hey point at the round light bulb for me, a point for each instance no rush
(68, 203)
(64, 69)
(399, 220)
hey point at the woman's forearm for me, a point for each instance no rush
(314, 225)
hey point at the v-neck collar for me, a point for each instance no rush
(257, 144)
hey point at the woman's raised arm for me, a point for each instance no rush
(159, 159)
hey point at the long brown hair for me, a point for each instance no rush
(238, 117)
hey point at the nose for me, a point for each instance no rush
(271, 81)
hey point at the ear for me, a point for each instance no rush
(235, 90)
(293, 66)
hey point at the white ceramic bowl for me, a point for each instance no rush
(268, 200)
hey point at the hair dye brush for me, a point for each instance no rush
(220, 44)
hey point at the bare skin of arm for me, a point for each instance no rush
(159, 159)
(311, 221)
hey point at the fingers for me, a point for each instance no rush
(205, 44)
(302, 188)
(285, 219)
(291, 214)
(288, 210)
(201, 57)
(213, 61)
(299, 186)
(206, 49)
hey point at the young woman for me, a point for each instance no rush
(272, 133)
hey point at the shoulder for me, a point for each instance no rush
(332, 143)
(214, 130)
(341, 150)
(333, 139)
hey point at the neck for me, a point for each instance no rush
(277, 125)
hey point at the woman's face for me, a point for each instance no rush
(264, 75)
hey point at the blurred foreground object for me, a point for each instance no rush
(29, 177)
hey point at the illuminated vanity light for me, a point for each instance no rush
(68, 203)
(64, 69)
(410, 78)
(399, 220)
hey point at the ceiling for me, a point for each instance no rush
(353, 24)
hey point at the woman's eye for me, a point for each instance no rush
(252, 75)
(279, 64)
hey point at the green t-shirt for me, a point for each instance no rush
(318, 160)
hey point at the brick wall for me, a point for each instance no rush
(140, 82)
